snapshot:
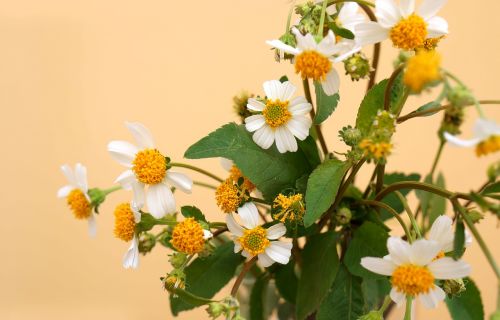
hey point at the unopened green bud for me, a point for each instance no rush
(460, 96)
(454, 287)
(343, 216)
(372, 315)
(495, 316)
(216, 309)
(493, 171)
(240, 102)
(351, 136)
(146, 243)
(177, 260)
(475, 216)
(357, 66)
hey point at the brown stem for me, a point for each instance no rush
(376, 48)
(245, 269)
(219, 231)
(321, 138)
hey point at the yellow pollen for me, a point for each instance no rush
(254, 241)
(409, 33)
(422, 69)
(490, 145)
(187, 237)
(276, 113)
(235, 175)
(290, 208)
(313, 65)
(79, 204)
(149, 166)
(412, 280)
(431, 43)
(440, 255)
(377, 150)
(124, 222)
(228, 196)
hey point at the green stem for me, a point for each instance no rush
(410, 214)
(420, 186)
(460, 82)
(366, 3)
(110, 190)
(217, 224)
(259, 201)
(203, 184)
(408, 308)
(321, 25)
(391, 211)
(289, 18)
(319, 133)
(436, 159)
(188, 166)
(387, 303)
(165, 222)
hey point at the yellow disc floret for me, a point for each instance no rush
(254, 241)
(79, 204)
(289, 208)
(313, 65)
(228, 196)
(187, 237)
(149, 166)
(236, 174)
(409, 33)
(490, 145)
(412, 279)
(276, 113)
(376, 150)
(124, 222)
(423, 68)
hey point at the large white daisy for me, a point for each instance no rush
(406, 27)
(413, 269)
(254, 240)
(76, 194)
(280, 119)
(486, 137)
(442, 232)
(148, 167)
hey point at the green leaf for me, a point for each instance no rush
(374, 292)
(318, 274)
(491, 189)
(459, 240)
(269, 170)
(345, 300)
(283, 78)
(287, 282)
(468, 306)
(310, 149)
(392, 200)
(324, 103)
(206, 276)
(257, 298)
(432, 205)
(427, 106)
(191, 211)
(341, 32)
(322, 188)
(369, 240)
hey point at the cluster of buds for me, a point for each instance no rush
(357, 66)
(458, 97)
(228, 307)
(377, 144)
(310, 16)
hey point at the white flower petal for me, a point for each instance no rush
(136, 212)
(436, 27)
(68, 173)
(378, 265)
(429, 8)
(483, 128)
(442, 232)
(283, 47)
(299, 106)
(407, 7)
(92, 225)
(126, 179)
(255, 122)
(280, 251)
(249, 215)
(138, 201)
(160, 200)
(227, 164)
(348, 10)
(327, 45)
(276, 231)
(122, 151)
(468, 238)
(299, 126)
(255, 105)
(399, 250)
(285, 141)
(237, 247)
(387, 12)
(207, 234)
(397, 296)
(272, 89)
(454, 140)
(287, 90)
(81, 177)
(431, 299)
(447, 268)
(233, 226)
(246, 254)
(369, 33)
(306, 42)
(264, 137)
(141, 134)
(423, 251)
(264, 260)
(331, 83)
(64, 191)
(131, 257)
(352, 48)
(180, 181)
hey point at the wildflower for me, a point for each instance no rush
(408, 29)
(422, 69)
(125, 221)
(413, 270)
(77, 195)
(189, 237)
(289, 208)
(229, 196)
(486, 137)
(255, 240)
(280, 119)
(147, 167)
(377, 150)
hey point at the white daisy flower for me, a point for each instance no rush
(442, 232)
(315, 60)
(279, 118)
(413, 270)
(486, 137)
(76, 194)
(131, 257)
(408, 29)
(254, 240)
(148, 167)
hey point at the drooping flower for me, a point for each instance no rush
(189, 237)
(422, 69)
(413, 270)
(125, 221)
(147, 167)
(280, 119)
(76, 194)
(406, 27)
(235, 174)
(131, 257)
(486, 137)
(254, 240)
(442, 232)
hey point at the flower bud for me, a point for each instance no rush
(240, 102)
(357, 66)
(343, 215)
(372, 315)
(460, 96)
(174, 280)
(177, 259)
(216, 309)
(475, 216)
(454, 287)
(146, 243)
(351, 136)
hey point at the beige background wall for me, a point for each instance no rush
(71, 72)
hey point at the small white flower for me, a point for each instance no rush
(315, 60)
(486, 137)
(407, 28)
(413, 270)
(148, 167)
(442, 232)
(280, 119)
(131, 257)
(254, 240)
(76, 193)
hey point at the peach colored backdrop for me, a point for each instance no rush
(73, 71)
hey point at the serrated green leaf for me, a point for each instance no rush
(193, 212)
(345, 300)
(310, 149)
(257, 298)
(459, 240)
(318, 274)
(324, 103)
(322, 188)
(468, 306)
(287, 282)
(206, 276)
(369, 240)
(392, 200)
(269, 170)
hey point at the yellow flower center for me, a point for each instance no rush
(377, 150)
(79, 204)
(409, 33)
(412, 280)
(422, 69)
(228, 196)
(313, 65)
(254, 241)
(187, 237)
(124, 222)
(490, 145)
(150, 166)
(276, 113)
(235, 175)
(290, 208)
